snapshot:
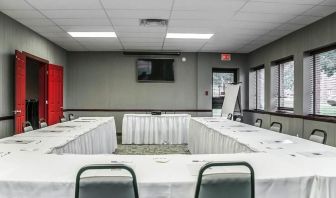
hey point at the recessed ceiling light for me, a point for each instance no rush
(188, 36)
(93, 34)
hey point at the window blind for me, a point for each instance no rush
(323, 80)
(283, 85)
(257, 88)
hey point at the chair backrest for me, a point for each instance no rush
(258, 123)
(239, 118)
(318, 136)
(276, 126)
(106, 186)
(43, 123)
(71, 116)
(225, 185)
(63, 119)
(229, 116)
(27, 126)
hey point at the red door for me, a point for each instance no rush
(20, 91)
(55, 94)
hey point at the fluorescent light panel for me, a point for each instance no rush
(188, 36)
(93, 34)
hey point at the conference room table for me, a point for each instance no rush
(155, 129)
(85, 135)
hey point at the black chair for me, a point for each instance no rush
(239, 118)
(27, 126)
(106, 186)
(225, 185)
(63, 119)
(258, 123)
(322, 138)
(276, 126)
(42, 123)
(229, 116)
(71, 116)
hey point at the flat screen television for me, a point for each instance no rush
(155, 70)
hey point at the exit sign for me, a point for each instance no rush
(225, 57)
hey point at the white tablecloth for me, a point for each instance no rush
(155, 129)
(53, 176)
(85, 135)
(219, 135)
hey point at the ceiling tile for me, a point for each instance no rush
(148, 48)
(83, 28)
(290, 27)
(321, 11)
(136, 4)
(138, 14)
(224, 5)
(74, 14)
(125, 22)
(14, 4)
(36, 22)
(254, 25)
(304, 20)
(202, 14)
(275, 8)
(82, 22)
(54, 34)
(311, 2)
(65, 4)
(142, 35)
(23, 14)
(121, 29)
(329, 2)
(45, 29)
(142, 44)
(138, 39)
(195, 23)
(263, 17)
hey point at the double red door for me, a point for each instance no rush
(50, 92)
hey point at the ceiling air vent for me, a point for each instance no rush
(154, 22)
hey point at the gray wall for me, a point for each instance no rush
(316, 35)
(107, 80)
(14, 36)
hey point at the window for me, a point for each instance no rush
(323, 81)
(257, 88)
(283, 84)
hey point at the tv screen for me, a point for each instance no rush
(160, 70)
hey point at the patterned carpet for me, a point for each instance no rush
(151, 149)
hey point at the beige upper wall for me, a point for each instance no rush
(316, 35)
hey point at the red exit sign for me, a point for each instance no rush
(225, 57)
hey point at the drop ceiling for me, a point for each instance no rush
(239, 25)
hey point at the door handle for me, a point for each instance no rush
(16, 112)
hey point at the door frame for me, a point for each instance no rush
(43, 63)
(235, 72)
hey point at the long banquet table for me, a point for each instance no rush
(86, 135)
(155, 129)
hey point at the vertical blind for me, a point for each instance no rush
(257, 88)
(283, 85)
(323, 82)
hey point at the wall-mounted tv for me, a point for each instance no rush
(155, 70)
